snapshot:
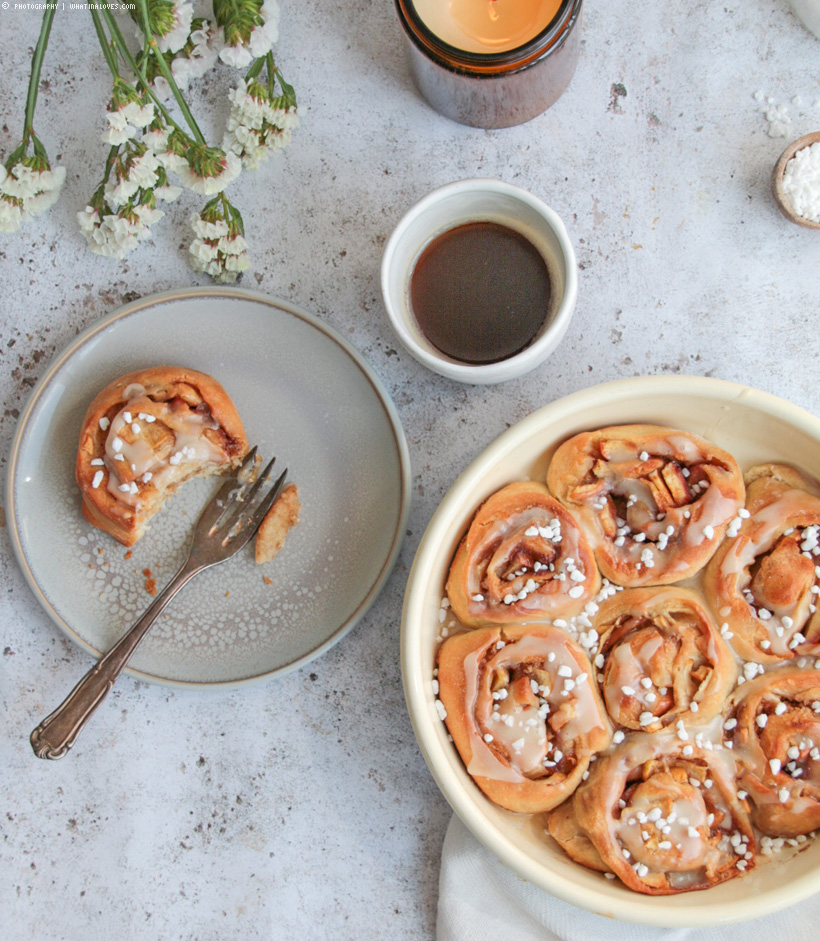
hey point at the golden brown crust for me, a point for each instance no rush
(524, 558)
(763, 581)
(523, 712)
(777, 744)
(661, 659)
(564, 829)
(184, 424)
(665, 821)
(278, 521)
(655, 501)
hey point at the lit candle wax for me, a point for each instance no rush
(486, 25)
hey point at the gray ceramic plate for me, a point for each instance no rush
(306, 396)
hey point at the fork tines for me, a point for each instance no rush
(245, 502)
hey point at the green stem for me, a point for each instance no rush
(110, 57)
(166, 71)
(109, 163)
(256, 68)
(271, 73)
(36, 67)
(125, 52)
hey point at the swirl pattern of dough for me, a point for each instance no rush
(764, 582)
(661, 660)
(523, 558)
(777, 744)
(145, 434)
(655, 501)
(523, 711)
(664, 817)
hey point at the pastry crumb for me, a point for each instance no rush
(280, 518)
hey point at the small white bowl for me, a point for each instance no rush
(479, 200)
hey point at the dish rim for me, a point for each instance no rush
(663, 911)
(193, 293)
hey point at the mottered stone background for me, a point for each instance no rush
(302, 807)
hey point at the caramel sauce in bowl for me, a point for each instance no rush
(479, 281)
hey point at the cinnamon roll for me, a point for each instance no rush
(661, 659)
(765, 581)
(655, 501)
(145, 434)
(775, 730)
(663, 816)
(523, 711)
(523, 558)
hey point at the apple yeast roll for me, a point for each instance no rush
(662, 815)
(655, 501)
(523, 711)
(661, 659)
(145, 434)
(776, 742)
(523, 558)
(764, 581)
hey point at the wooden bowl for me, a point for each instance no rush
(780, 196)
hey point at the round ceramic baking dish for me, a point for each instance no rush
(755, 427)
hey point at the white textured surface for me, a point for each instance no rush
(302, 808)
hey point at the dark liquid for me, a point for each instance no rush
(480, 292)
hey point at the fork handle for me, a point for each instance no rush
(55, 735)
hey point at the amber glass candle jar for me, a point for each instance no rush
(479, 73)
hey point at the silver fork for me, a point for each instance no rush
(223, 528)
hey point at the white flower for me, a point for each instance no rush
(114, 235)
(256, 128)
(177, 36)
(167, 193)
(172, 162)
(235, 245)
(209, 230)
(24, 182)
(11, 214)
(219, 249)
(20, 182)
(201, 59)
(246, 109)
(263, 37)
(202, 252)
(110, 235)
(119, 130)
(117, 194)
(260, 41)
(88, 219)
(26, 192)
(237, 263)
(162, 88)
(137, 114)
(51, 182)
(285, 118)
(143, 169)
(156, 140)
(147, 216)
(211, 185)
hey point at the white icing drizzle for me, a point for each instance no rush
(128, 462)
(533, 588)
(534, 734)
(758, 536)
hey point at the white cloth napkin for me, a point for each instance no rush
(481, 900)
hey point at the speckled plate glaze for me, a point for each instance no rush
(753, 426)
(306, 396)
